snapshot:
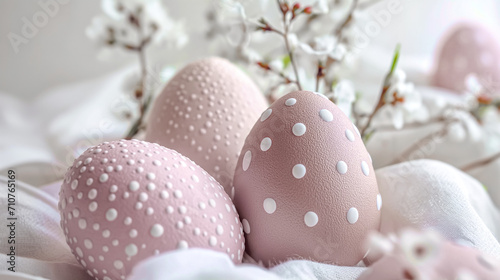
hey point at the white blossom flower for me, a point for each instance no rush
(402, 100)
(344, 95)
(128, 23)
(420, 248)
(464, 125)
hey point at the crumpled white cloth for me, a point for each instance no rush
(421, 194)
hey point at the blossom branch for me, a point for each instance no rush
(433, 137)
(481, 163)
(319, 74)
(385, 88)
(339, 30)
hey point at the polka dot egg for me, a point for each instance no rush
(124, 201)
(205, 112)
(470, 49)
(304, 185)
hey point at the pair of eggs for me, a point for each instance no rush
(302, 182)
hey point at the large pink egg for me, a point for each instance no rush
(124, 201)
(304, 184)
(469, 49)
(205, 113)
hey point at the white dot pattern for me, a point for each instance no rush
(285, 185)
(299, 129)
(265, 144)
(269, 205)
(311, 219)
(326, 115)
(142, 214)
(299, 171)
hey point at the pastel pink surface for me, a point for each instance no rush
(205, 112)
(323, 214)
(469, 49)
(124, 201)
(450, 261)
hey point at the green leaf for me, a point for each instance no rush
(395, 59)
(286, 61)
(485, 188)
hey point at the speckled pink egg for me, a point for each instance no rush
(421, 257)
(205, 112)
(304, 184)
(124, 201)
(469, 49)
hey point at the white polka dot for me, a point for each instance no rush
(212, 241)
(246, 226)
(74, 184)
(143, 196)
(133, 233)
(299, 171)
(357, 130)
(150, 176)
(118, 264)
(182, 245)
(178, 194)
(310, 219)
(156, 230)
(326, 115)
(82, 224)
(111, 214)
(131, 250)
(265, 144)
(379, 202)
(79, 252)
(104, 177)
(90, 181)
(219, 230)
(365, 168)
(88, 244)
(133, 186)
(266, 115)
(342, 167)
(269, 205)
(290, 101)
(151, 187)
(92, 194)
(352, 215)
(246, 160)
(93, 206)
(299, 129)
(349, 135)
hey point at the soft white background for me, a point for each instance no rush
(60, 53)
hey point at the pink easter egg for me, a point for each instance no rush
(205, 112)
(304, 184)
(469, 49)
(427, 256)
(124, 201)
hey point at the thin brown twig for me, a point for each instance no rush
(410, 125)
(339, 30)
(289, 50)
(423, 142)
(379, 106)
(480, 163)
(319, 74)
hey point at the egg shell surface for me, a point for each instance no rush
(124, 201)
(304, 184)
(205, 112)
(469, 49)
